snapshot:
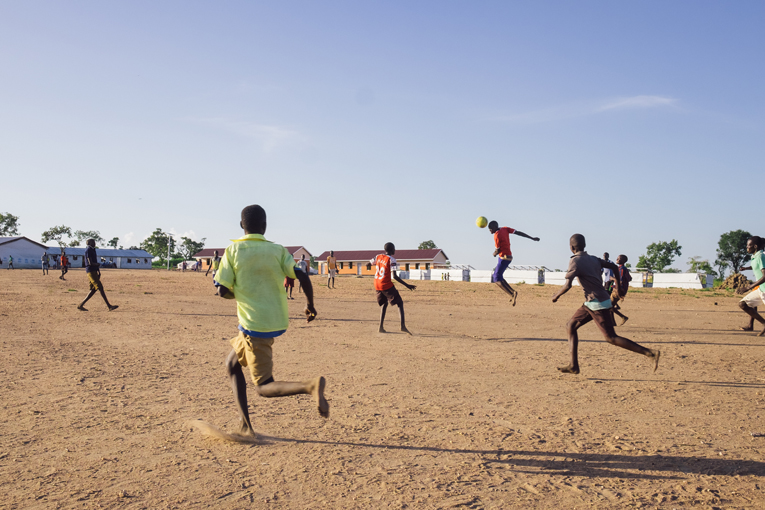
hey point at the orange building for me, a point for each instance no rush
(357, 262)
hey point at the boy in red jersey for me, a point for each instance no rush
(504, 255)
(624, 284)
(386, 292)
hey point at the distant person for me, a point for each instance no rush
(45, 263)
(251, 271)
(756, 295)
(608, 275)
(303, 266)
(214, 265)
(64, 266)
(597, 305)
(504, 256)
(10, 262)
(289, 284)
(619, 292)
(93, 270)
(183, 266)
(331, 269)
(386, 292)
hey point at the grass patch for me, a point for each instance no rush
(72, 290)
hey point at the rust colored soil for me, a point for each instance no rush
(470, 412)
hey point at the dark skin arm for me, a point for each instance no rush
(402, 282)
(566, 287)
(614, 271)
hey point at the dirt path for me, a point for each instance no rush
(468, 413)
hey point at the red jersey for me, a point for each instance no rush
(385, 264)
(502, 241)
(64, 261)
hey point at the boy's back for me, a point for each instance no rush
(254, 269)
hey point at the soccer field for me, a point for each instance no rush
(470, 412)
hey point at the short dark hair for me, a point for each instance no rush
(253, 218)
(389, 247)
(90, 241)
(578, 241)
(606, 254)
(625, 257)
(757, 241)
(493, 225)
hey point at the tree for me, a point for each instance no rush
(81, 236)
(659, 255)
(699, 265)
(57, 234)
(9, 224)
(189, 247)
(156, 244)
(427, 245)
(731, 250)
(114, 242)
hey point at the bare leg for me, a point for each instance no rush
(620, 314)
(90, 295)
(625, 343)
(103, 295)
(508, 289)
(754, 316)
(382, 317)
(573, 346)
(750, 326)
(313, 387)
(403, 321)
(239, 385)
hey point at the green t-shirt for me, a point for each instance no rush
(758, 262)
(254, 270)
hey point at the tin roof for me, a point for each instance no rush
(360, 255)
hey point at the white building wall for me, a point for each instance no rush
(26, 255)
(682, 280)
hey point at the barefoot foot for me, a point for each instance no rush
(82, 308)
(515, 296)
(404, 330)
(381, 330)
(746, 328)
(762, 333)
(113, 307)
(624, 319)
(317, 390)
(245, 429)
(656, 356)
(569, 370)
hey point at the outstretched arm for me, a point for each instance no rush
(402, 282)
(305, 282)
(522, 234)
(566, 287)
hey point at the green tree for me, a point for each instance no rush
(9, 224)
(659, 255)
(731, 250)
(699, 265)
(57, 234)
(427, 245)
(156, 244)
(189, 247)
(113, 242)
(80, 236)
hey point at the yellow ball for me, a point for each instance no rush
(482, 221)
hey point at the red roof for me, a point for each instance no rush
(208, 252)
(360, 255)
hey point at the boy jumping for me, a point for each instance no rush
(756, 296)
(251, 271)
(504, 255)
(597, 306)
(384, 288)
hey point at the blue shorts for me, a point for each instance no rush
(499, 271)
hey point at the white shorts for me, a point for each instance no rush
(754, 299)
(332, 273)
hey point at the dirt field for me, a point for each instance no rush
(468, 413)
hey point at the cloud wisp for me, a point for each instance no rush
(270, 137)
(588, 108)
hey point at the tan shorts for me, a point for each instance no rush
(754, 299)
(95, 281)
(255, 353)
(332, 273)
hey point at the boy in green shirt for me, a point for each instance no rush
(251, 271)
(756, 296)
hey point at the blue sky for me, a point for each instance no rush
(358, 123)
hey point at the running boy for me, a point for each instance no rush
(64, 266)
(214, 265)
(504, 255)
(92, 269)
(756, 297)
(597, 306)
(251, 272)
(618, 293)
(386, 292)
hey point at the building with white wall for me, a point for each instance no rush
(27, 254)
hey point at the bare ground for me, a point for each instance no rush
(468, 413)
